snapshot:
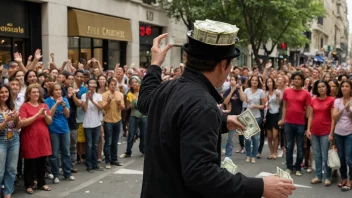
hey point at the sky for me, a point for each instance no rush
(349, 7)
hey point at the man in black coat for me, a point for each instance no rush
(182, 151)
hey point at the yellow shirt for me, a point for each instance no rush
(112, 111)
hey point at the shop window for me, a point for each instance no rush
(114, 53)
(73, 49)
(5, 50)
(86, 48)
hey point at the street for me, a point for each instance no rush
(126, 181)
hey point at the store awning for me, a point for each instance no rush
(88, 24)
(319, 59)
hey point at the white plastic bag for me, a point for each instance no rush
(333, 159)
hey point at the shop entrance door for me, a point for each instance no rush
(5, 50)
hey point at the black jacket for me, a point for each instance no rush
(182, 152)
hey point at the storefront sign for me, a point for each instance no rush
(148, 32)
(9, 28)
(81, 23)
(13, 25)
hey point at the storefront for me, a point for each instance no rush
(94, 35)
(147, 33)
(20, 29)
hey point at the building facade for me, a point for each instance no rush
(331, 32)
(112, 31)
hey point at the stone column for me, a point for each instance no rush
(132, 51)
(54, 32)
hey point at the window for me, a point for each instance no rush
(321, 42)
(321, 20)
(114, 53)
(73, 49)
(86, 49)
(149, 1)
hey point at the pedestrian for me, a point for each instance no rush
(9, 140)
(183, 152)
(112, 104)
(92, 103)
(59, 133)
(320, 126)
(235, 97)
(343, 134)
(296, 100)
(255, 102)
(35, 138)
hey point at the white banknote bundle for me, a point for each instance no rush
(215, 32)
(229, 165)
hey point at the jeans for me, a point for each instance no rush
(229, 144)
(9, 150)
(254, 140)
(344, 147)
(292, 132)
(92, 139)
(111, 136)
(60, 142)
(321, 147)
(134, 124)
(73, 147)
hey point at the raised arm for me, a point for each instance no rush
(153, 77)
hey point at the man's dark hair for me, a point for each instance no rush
(79, 71)
(204, 65)
(300, 74)
(315, 87)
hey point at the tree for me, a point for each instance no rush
(259, 21)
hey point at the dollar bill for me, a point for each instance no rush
(283, 174)
(249, 121)
(229, 165)
(214, 32)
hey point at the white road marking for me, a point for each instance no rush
(92, 181)
(128, 172)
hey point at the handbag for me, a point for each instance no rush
(333, 159)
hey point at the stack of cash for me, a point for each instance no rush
(214, 32)
(283, 174)
(249, 121)
(229, 165)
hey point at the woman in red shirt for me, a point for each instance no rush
(319, 128)
(35, 139)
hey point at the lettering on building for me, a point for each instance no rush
(105, 32)
(11, 29)
(150, 15)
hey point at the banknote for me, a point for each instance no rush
(249, 121)
(229, 165)
(283, 174)
(214, 32)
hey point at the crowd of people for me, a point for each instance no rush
(306, 108)
(55, 117)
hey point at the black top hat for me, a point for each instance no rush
(206, 51)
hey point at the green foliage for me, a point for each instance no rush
(259, 20)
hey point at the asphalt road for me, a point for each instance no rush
(126, 181)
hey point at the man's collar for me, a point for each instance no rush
(200, 78)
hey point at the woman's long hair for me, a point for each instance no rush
(9, 102)
(29, 90)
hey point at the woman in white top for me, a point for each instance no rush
(255, 101)
(92, 104)
(273, 97)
